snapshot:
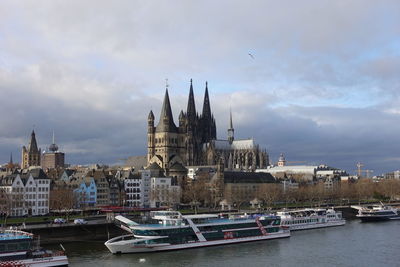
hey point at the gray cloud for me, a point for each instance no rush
(323, 86)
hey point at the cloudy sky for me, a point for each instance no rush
(323, 86)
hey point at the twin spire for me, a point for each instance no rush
(191, 107)
(166, 123)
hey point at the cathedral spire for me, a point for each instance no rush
(231, 131)
(191, 107)
(206, 104)
(11, 159)
(230, 124)
(33, 148)
(166, 123)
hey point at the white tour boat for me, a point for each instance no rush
(171, 230)
(310, 218)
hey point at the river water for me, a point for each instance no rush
(355, 244)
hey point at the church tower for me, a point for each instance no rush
(192, 142)
(31, 155)
(163, 139)
(209, 131)
(150, 136)
(281, 161)
(169, 144)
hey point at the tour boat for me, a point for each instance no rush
(378, 213)
(19, 248)
(310, 218)
(171, 230)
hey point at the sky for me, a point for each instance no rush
(322, 85)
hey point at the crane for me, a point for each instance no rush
(360, 171)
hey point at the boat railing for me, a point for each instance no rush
(9, 234)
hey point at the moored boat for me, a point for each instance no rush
(19, 248)
(171, 230)
(378, 213)
(310, 218)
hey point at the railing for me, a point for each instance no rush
(14, 233)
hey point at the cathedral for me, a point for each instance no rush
(194, 141)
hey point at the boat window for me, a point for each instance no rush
(12, 246)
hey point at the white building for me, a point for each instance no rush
(136, 187)
(164, 192)
(308, 172)
(132, 188)
(145, 188)
(27, 193)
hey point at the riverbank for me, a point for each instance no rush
(98, 228)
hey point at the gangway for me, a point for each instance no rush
(262, 229)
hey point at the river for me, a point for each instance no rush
(355, 244)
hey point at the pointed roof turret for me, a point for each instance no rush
(151, 116)
(32, 147)
(191, 107)
(166, 123)
(11, 159)
(206, 104)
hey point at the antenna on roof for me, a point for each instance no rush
(166, 83)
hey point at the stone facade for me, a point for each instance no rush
(194, 141)
(53, 158)
(31, 155)
(169, 145)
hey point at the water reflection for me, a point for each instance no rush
(355, 244)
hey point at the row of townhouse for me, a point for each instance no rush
(25, 192)
(31, 191)
(117, 187)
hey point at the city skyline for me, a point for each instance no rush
(315, 80)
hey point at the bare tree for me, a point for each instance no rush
(390, 188)
(270, 193)
(173, 197)
(155, 194)
(62, 199)
(238, 195)
(5, 204)
(197, 192)
(364, 189)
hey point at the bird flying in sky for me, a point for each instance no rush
(251, 55)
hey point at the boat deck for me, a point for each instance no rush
(12, 236)
(211, 220)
